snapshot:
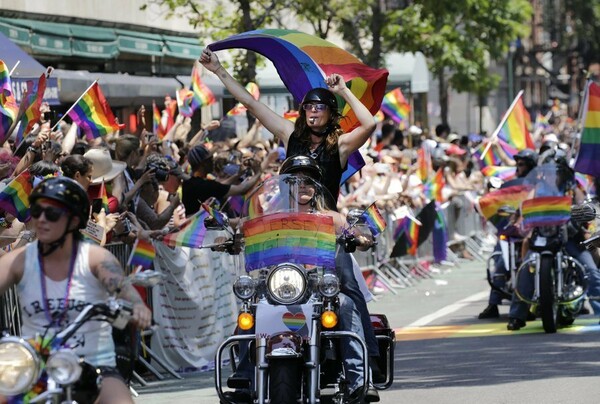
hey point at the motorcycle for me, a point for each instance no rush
(559, 281)
(290, 301)
(44, 369)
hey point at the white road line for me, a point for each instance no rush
(449, 309)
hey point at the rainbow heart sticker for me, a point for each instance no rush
(294, 321)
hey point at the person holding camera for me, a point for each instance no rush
(199, 188)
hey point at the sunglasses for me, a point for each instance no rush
(52, 213)
(315, 107)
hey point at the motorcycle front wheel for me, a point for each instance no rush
(548, 306)
(285, 380)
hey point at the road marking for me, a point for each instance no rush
(449, 309)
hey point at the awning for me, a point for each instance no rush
(140, 43)
(181, 47)
(408, 68)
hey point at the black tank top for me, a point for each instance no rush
(329, 163)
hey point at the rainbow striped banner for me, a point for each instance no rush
(8, 106)
(298, 238)
(374, 220)
(490, 203)
(394, 104)
(143, 254)
(239, 108)
(505, 173)
(191, 233)
(587, 161)
(546, 211)
(14, 198)
(514, 129)
(93, 114)
(203, 96)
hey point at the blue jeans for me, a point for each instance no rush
(498, 276)
(519, 309)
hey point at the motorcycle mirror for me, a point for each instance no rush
(583, 213)
(146, 279)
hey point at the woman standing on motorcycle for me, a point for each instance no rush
(57, 275)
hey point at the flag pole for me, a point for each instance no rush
(502, 122)
(14, 67)
(580, 114)
(73, 106)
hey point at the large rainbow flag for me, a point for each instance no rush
(588, 161)
(29, 109)
(394, 104)
(546, 211)
(299, 238)
(239, 108)
(14, 198)
(8, 105)
(510, 196)
(143, 254)
(93, 114)
(191, 233)
(514, 129)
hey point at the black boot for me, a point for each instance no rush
(376, 373)
(491, 311)
(514, 324)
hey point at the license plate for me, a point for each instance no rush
(274, 319)
(540, 242)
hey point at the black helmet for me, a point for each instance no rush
(321, 95)
(66, 191)
(302, 163)
(529, 156)
(197, 155)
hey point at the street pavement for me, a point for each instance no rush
(444, 354)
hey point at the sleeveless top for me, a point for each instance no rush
(329, 163)
(93, 340)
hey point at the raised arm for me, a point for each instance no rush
(277, 125)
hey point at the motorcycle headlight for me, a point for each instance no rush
(329, 285)
(244, 287)
(63, 367)
(286, 284)
(19, 366)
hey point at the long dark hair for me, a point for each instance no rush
(302, 131)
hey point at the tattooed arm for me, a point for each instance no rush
(107, 269)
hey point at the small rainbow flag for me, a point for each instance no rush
(491, 158)
(374, 220)
(215, 214)
(157, 128)
(423, 164)
(142, 255)
(8, 105)
(505, 173)
(202, 94)
(587, 159)
(93, 114)
(433, 188)
(394, 104)
(14, 198)
(546, 211)
(184, 102)
(490, 203)
(104, 197)
(291, 115)
(515, 129)
(191, 233)
(239, 108)
(298, 238)
(410, 229)
(30, 107)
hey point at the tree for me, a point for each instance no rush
(459, 37)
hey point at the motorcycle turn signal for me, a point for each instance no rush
(329, 319)
(245, 321)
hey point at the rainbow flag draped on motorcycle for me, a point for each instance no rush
(297, 238)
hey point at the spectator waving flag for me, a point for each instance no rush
(14, 198)
(394, 104)
(93, 114)
(587, 161)
(8, 105)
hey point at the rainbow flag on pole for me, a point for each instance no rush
(157, 128)
(505, 173)
(514, 129)
(191, 233)
(8, 105)
(93, 114)
(433, 188)
(30, 107)
(374, 220)
(546, 211)
(298, 238)
(143, 254)
(490, 203)
(104, 197)
(202, 94)
(215, 214)
(14, 198)
(394, 104)
(588, 161)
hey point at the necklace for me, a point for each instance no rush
(56, 319)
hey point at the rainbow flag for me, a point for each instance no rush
(14, 198)
(510, 196)
(203, 96)
(143, 254)
(587, 161)
(157, 128)
(433, 188)
(546, 211)
(373, 219)
(491, 158)
(515, 129)
(191, 233)
(30, 107)
(93, 114)
(409, 229)
(239, 108)
(584, 181)
(8, 105)
(355, 163)
(215, 214)
(423, 164)
(184, 102)
(104, 197)
(394, 104)
(440, 237)
(171, 108)
(505, 173)
(541, 122)
(298, 238)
